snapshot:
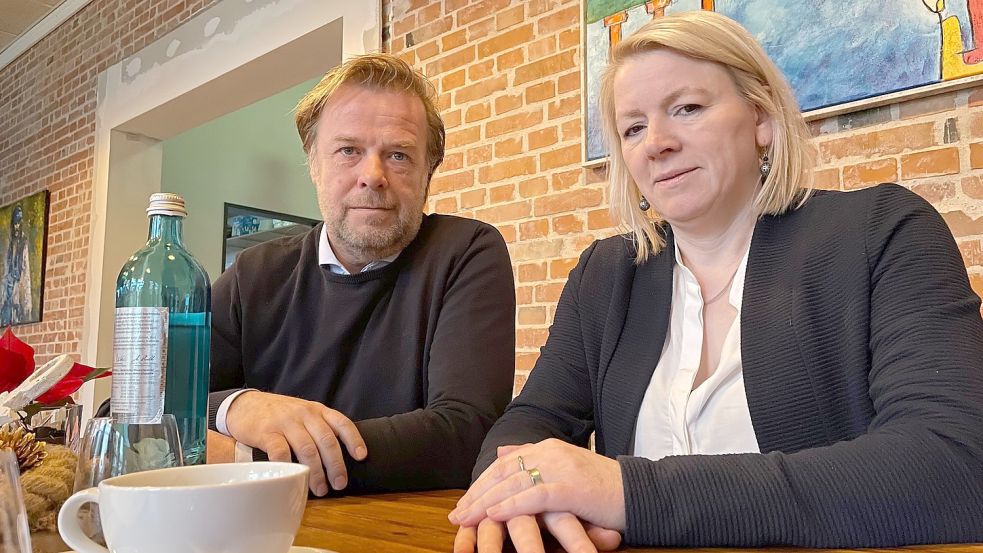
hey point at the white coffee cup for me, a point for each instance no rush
(225, 508)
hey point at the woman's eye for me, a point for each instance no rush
(633, 130)
(689, 109)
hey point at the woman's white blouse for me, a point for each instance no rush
(714, 418)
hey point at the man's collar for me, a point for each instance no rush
(326, 257)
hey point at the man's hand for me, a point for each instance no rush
(219, 448)
(524, 531)
(280, 424)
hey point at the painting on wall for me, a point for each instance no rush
(23, 239)
(879, 48)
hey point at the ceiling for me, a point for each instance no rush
(17, 16)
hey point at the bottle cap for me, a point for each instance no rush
(165, 203)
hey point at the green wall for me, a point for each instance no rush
(251, 157)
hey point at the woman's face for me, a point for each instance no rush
(689, 139)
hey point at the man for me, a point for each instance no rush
(379, 347)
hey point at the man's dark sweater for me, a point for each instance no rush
(419, 353)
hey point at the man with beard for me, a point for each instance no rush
(379, 347)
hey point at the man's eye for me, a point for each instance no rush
(399, 156)
(347, 150)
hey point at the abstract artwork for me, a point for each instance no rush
(23, 233)
(832, 52)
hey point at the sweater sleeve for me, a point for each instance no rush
(226, 375)
(556, 399)
(469, 377)
(915, 475)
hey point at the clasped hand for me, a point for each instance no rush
(280, 424)
(573, 483)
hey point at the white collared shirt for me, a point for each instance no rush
(327, 258)
(675, 419)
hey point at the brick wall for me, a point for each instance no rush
(508, 73)
(509, 78)
(47, 137)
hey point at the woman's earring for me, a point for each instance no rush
(765, 166)
(644, 205)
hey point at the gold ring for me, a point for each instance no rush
(536, 477)
(522, 465)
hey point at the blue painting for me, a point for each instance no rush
(831, 51)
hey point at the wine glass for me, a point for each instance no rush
(111, 448)
(15, 537)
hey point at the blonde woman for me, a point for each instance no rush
(761, 364)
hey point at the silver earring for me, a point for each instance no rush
(765, 166)
(644, 205)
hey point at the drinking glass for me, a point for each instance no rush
(111, 448)
(15, 537)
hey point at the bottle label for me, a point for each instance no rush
(139, 364)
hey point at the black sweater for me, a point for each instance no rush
(419, 353)
(862, 350)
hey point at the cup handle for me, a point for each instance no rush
(68, 522)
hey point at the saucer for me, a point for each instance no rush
(293, 549)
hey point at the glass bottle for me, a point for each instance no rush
(163, 330)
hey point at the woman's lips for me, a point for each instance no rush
(674, 177)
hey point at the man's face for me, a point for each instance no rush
(369, 167)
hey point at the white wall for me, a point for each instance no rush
(251, 157)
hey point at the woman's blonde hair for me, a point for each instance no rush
(382, 71)
(709, 36)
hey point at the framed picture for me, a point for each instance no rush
(23, 247)
(838, 56)
(249, 226)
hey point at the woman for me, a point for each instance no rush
(762, 364)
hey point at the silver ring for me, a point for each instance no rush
(522, 465)
(536, 477)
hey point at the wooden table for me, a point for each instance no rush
(417, 523)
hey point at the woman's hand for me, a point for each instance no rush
(524, 530)
(569, 479)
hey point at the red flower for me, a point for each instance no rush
(17, 363)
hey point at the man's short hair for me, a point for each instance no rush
(381, 71)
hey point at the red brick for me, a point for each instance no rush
(548, 292)
(568, 155)
(508, 232)
(541, 48)
(827, 179)
(540, 92)
(531, 272)
(507, 169)
(451, 61)
(481, 70)
(506, 212)
(545, 67)
(878, 143)
(509, 17)
(463, 137)
(512, 123)
(560, 268)
(972, 186)
(567, 224)
(935, 192)
(508, 147)
(599, 219)
(454, 181)
(962, 224)
(533, 229)
(532, 315)
(976, 155)
(560, 20)
(510, 59)
(479, 10)
(501, 194)
(524, 362)
(542, 138)
(506, 40)
(530, 337)
(507, 103)
(446, 205)
(567, 201)
(568, 82)
(477, 112)
(866, 174)
(566, 179)
(453, 80)
(566, 106)
(972, 251)
(533, 187)
(472, 198)
(479, 154)
(931, 163)
(480, 90)
(453, 40)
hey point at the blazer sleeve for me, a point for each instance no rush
(556, 401)
(915, 476)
